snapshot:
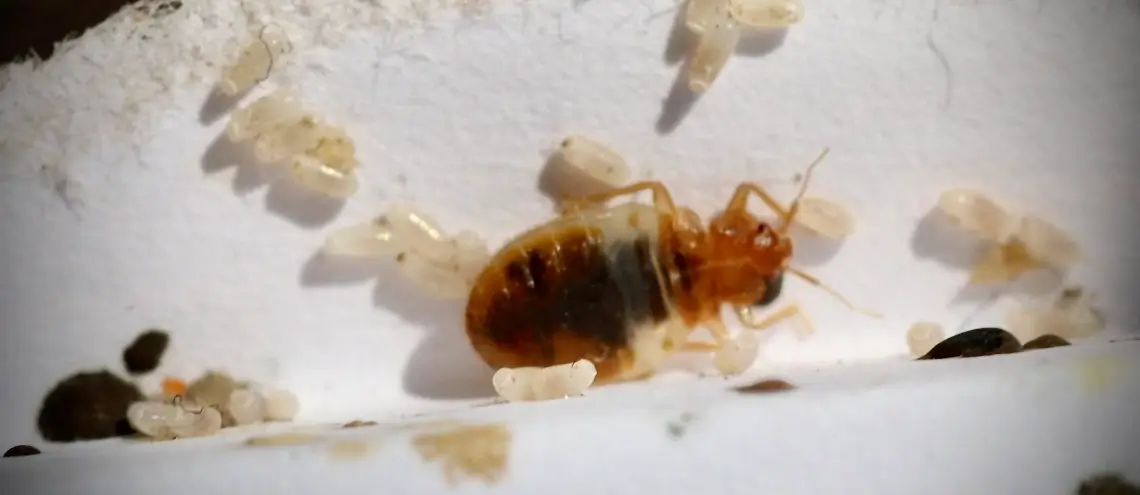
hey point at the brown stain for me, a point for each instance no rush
(1107, 484)
(87, 406)
(1045, 342)
(350, 450)
(144, 354)
(978, 342)
(293, 438)
(478, 452)
(358, 424)
(768, 386)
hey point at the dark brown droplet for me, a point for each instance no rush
(975, 343)
(87, 406)
(766, 387)
(358, 424)
(21, 451)
(144, 354)
(1107, 484)
(1045, 342)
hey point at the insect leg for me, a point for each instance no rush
(744, 313)
(715, 326)
(739, 200)
(662, 200)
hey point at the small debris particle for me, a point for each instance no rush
(1107, 484)
(21, 451)
(282, 439)
(358, 424)
(676, 429)
(1045, 342)
(975, 343)
(480, 452)
(87, 406)
(145, 353)
(766, 387)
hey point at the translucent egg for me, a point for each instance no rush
(517, 384)
(254, 62)
(824, 217)
(923, 336)
(319, 177)
(281, 405)
(287, 139)
(246, 407)
(592, 160)
(975, 212)
(718, 41)
(1048, 243)
(555, 382)
(737, 355)
(201, 423)
(1002, 263)
(766, 13)
(699, 14)
(438, 279)
(263, 114)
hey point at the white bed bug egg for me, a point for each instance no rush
(287, 139)
(700, 13)
(717, 42)
(766, 13)
(1001, 263)
(923, 336)
(737, 355)
(517, 384)
(246, 407)
(281, 405)
(329, 166)
(448, 267)
(263, 114)
(1047, 243)
(404, 227)
(195, 423)
(567, 380)
(151, 418)
(322, 178)
(974, 211)
(255, 62)
(825, 217)
(591, 162)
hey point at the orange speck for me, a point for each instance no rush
(172, 387)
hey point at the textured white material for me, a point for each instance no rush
(120, 208)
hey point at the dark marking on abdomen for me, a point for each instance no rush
(772, 287)
(594, 291)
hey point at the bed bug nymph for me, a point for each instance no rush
(625, 286)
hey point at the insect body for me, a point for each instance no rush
(625, 286)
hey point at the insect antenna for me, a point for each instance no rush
(795, 206)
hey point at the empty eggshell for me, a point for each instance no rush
(1001, 263)
(699, 14)
(716, 44)
(322, 178)
(976, 212)
(824, 217)
(568, 380)
(264, 114)
(254, 62)
(766, 13)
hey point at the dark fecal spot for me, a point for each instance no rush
(975, 343)
(144, 354)
(21, 451)
(1107, 484)
(1045, 342)
(537, 266)
(358, 424)
(772, 287)
(766, 387)
(87, 406)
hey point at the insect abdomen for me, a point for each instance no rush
(574, 291)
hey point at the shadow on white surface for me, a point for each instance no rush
(443, 365)
(286, 198)
(218, 104)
